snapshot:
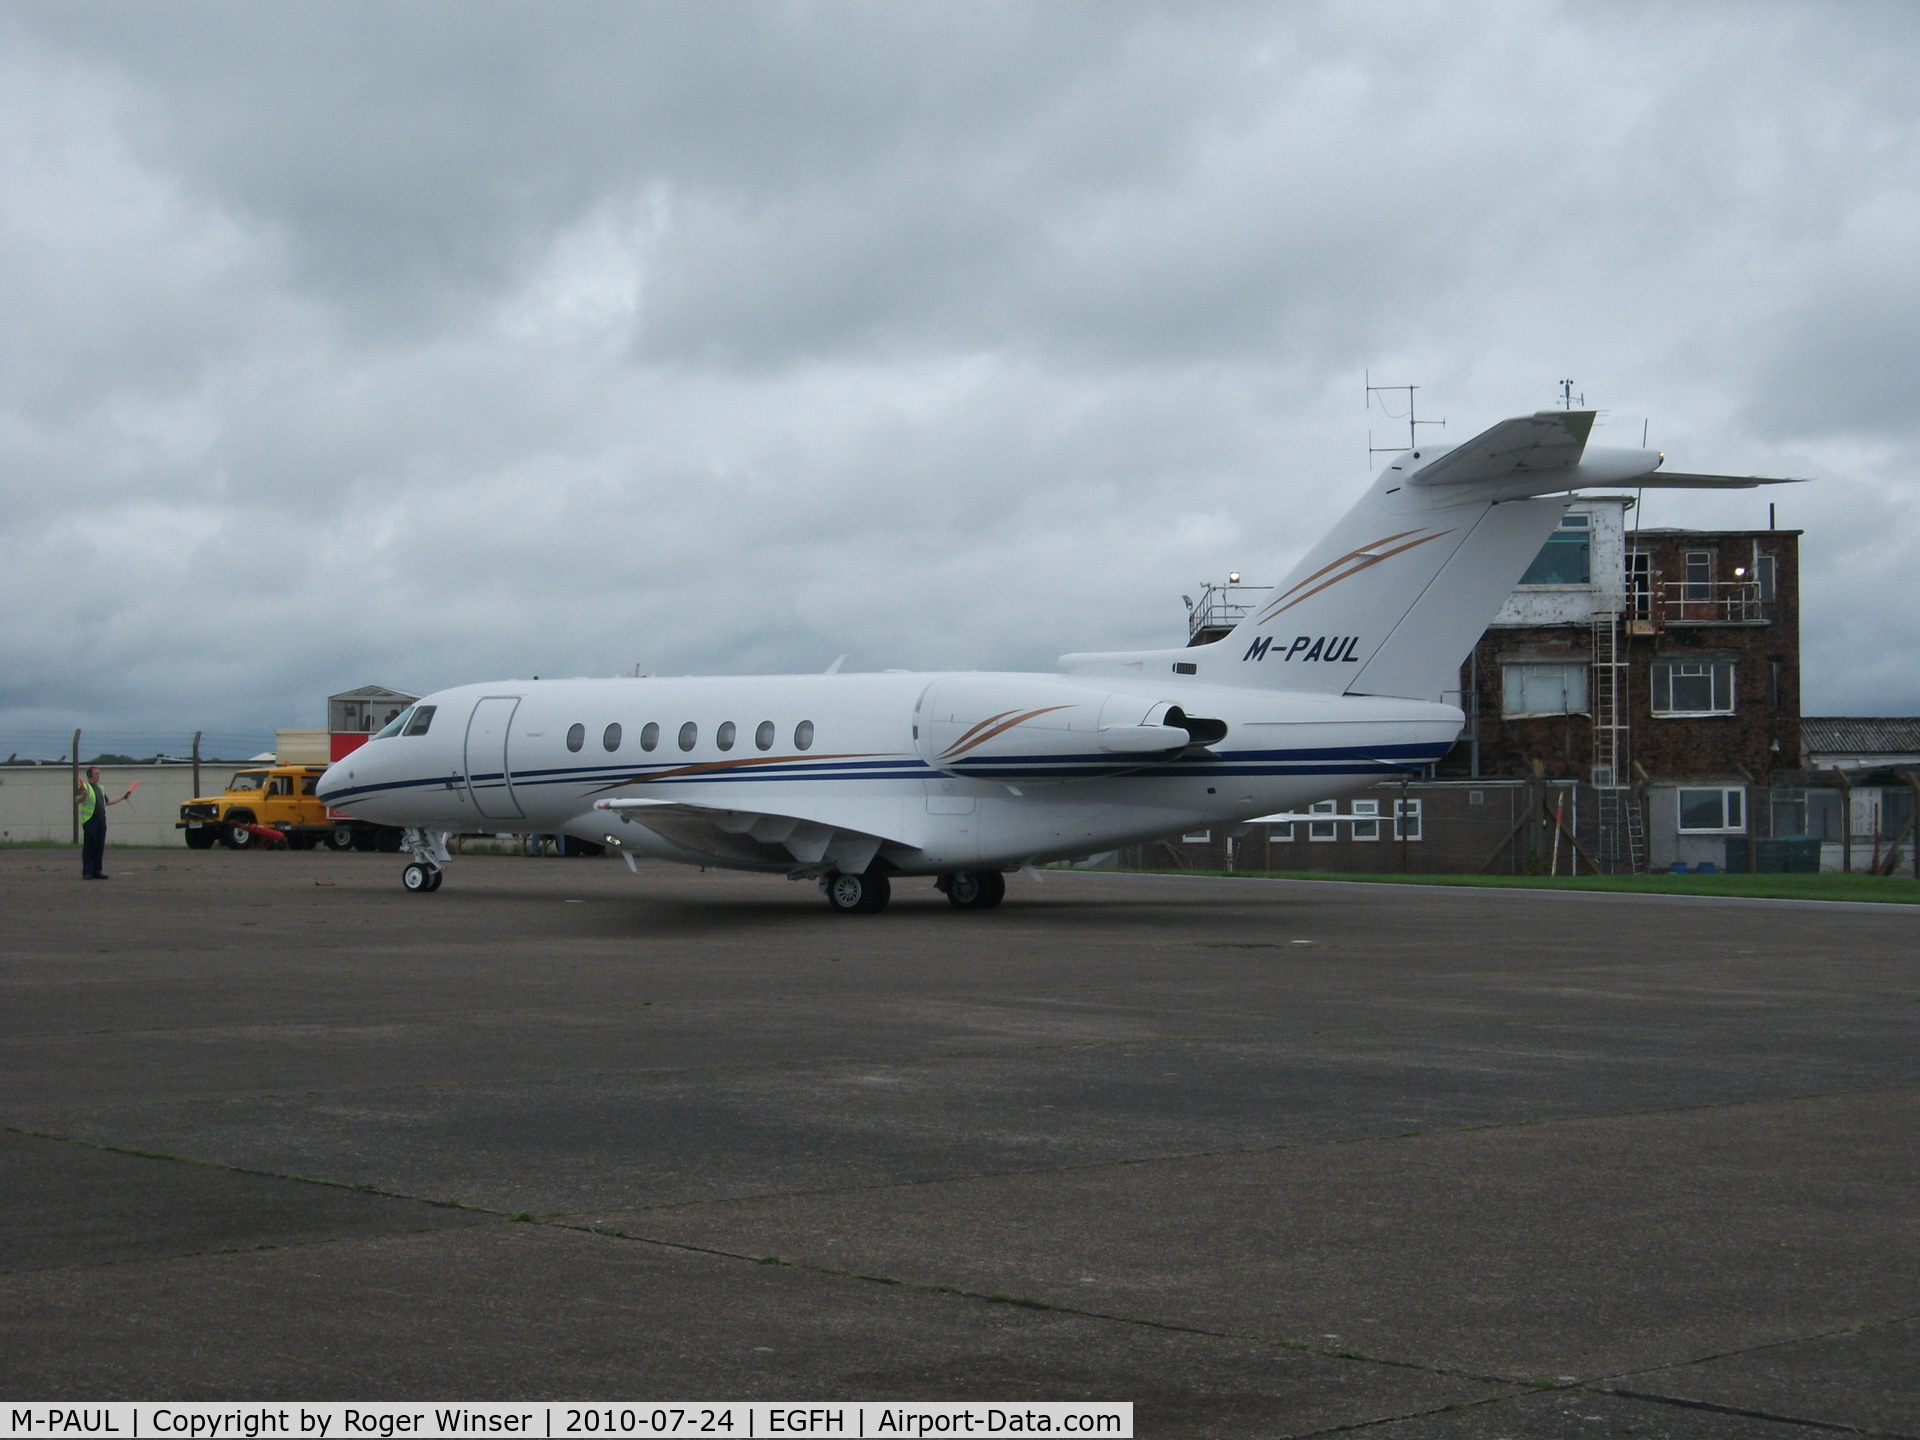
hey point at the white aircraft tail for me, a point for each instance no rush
(1393, 599)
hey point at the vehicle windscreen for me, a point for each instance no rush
(396, 725)
(248, 780)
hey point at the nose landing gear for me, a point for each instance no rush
(429, 849)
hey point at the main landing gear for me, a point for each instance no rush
(857, 894)
(973, 889)
(429, 850)
(868, 894)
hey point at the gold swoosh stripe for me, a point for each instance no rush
(1365, 549)
(961, 746)
(1366, 564)
(975, 729)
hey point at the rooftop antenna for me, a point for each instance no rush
(1413, 421)
(1568, 399)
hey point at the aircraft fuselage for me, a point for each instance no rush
(863, 754)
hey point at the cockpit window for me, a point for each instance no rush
(248, 780)
(397, 724)
(422, 718)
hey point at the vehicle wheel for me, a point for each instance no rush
(417, 878)
(235, 837)
(201, 839)
(434, 882)
(340, 838)
(976, 889)
(858, 894)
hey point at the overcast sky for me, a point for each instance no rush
(420, 344)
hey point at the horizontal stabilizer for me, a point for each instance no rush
(1550, 441)
(1673, 480)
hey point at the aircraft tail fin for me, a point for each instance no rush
(1393, 599)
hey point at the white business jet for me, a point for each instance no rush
(1337, 681)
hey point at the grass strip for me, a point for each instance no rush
(1893, 890)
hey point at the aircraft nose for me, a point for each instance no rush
(332, 781)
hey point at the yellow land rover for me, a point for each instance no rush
(280, 797)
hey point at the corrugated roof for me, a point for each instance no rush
(1860, 734)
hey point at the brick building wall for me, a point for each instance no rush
(1759, 637)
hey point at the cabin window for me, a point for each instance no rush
(689, 735)
(649, 736)
(1719, 811)
(1693, 687)
(803, 735)
(610, 739)
(576, 737)
(248, 780)
(1567, 557)
(1543, 690)
(763, 736)
(723, 737)
(422, 718)
(280, 785)
(310, 785)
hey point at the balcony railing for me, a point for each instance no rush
(1698, 602)
(1220, 608)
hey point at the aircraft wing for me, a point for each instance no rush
(1514, 449)
(803, 845)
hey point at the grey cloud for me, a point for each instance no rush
(418, 343)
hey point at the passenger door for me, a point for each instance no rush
(488, 780)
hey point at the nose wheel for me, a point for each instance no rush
(429, 848)
(422, 879)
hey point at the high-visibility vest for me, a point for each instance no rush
(90, 801)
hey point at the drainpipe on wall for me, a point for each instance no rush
(1473, 720)
(1753, 830)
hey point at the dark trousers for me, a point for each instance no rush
(93, 848)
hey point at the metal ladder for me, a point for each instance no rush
(1623, 839)
(1636, 832)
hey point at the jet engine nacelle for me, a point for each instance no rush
(1012, 727)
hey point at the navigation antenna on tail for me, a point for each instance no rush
(1413, 421)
